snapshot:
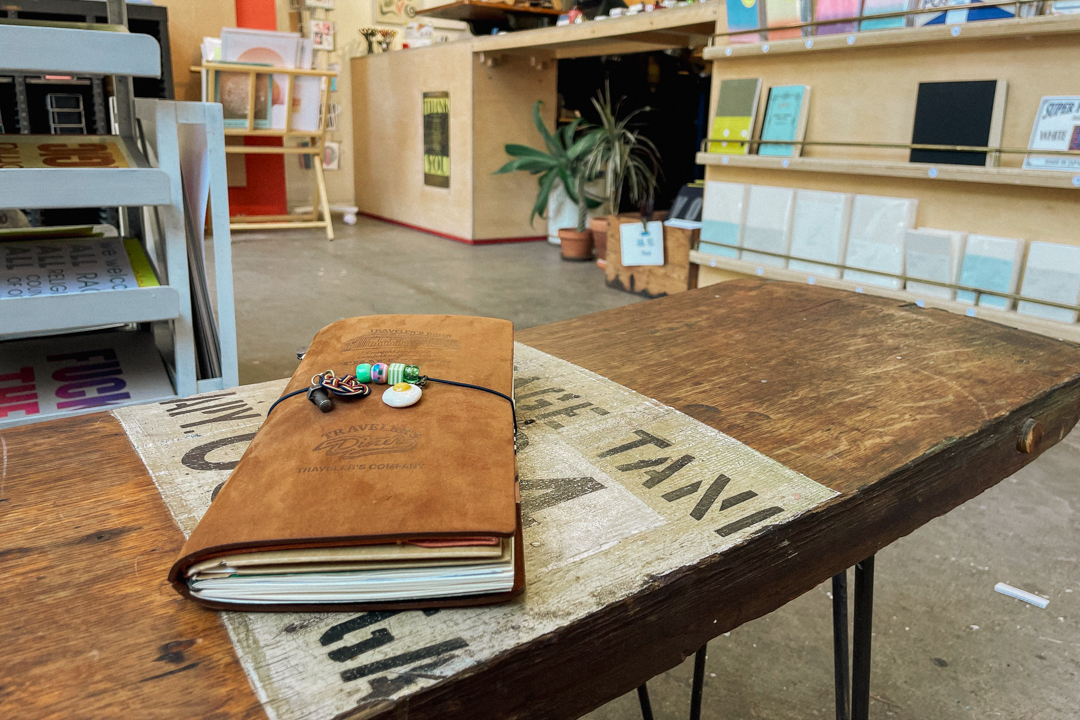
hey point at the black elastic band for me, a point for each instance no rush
(513, 410)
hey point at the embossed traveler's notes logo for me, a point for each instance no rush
(356, 441)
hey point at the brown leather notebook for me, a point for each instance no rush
(371, 506)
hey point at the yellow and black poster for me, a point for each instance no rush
(437, 139)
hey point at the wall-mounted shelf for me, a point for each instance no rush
(27, 48)
(58, 313)
(1050, 328)
(893, 169)
(983, 30)
(671, 28)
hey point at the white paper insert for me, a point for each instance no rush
(876, 239)
(820, 231)
(768, 224)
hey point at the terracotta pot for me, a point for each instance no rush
(599, 226)
(576, 245)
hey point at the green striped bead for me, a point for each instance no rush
(363, 372)
(395, 374)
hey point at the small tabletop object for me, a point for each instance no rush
(906, 412)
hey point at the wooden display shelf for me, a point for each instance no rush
(1049, 328)
(679, 27)
(317, 137)
(890, 168)
(981, 30)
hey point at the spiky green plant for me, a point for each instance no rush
(565, 160)
(626, 157)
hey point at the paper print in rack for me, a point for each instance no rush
(1052, 273)
(322, 34)
(395, 12)
(745, 15)
(594, 493)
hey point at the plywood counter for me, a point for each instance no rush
(491, 83)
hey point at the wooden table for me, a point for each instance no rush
(906, 412)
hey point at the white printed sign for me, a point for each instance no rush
(642, 245)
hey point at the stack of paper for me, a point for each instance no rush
(768, 224)
(1052, 273)
(820, 231)
(934, 255)
(876, 239)
(991, 263)
(722, 218)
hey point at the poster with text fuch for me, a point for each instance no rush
(437, 139)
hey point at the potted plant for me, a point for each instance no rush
(565, 161)
(625, 158)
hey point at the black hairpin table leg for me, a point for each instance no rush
(643, 699)
(840, 643)
(862, 637)
(699, 683)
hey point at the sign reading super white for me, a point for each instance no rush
(1057, 127)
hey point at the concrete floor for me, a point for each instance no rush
(946, 645)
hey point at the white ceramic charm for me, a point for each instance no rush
(401, 395)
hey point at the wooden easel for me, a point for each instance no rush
(315, 148)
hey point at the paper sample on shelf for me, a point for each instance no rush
(73, 265)
(785, 119)
(66, 373)
(783, 12)
(955, 17)
(968, 113)
(819, 231)
(876, 239)
(52, 151)
(933, 255)
(745, 15)
(991, 263)
(1052, 273)
(722, 218)
(768, 224)
(832, 10)
(1057, 127)
(883, 7)
(736, 111)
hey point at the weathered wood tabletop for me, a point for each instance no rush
(904, 412)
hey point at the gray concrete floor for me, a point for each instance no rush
(945, 644)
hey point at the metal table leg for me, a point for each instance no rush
(699, 683)
(862, 636)
(643, 699)
(840, 643)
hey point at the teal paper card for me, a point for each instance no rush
(986, 273)
(782, 119)
(718, 231)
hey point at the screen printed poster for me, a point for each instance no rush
(46, 151)
(437, 139)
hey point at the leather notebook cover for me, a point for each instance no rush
(369, 474)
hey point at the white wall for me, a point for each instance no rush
(349, 16)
